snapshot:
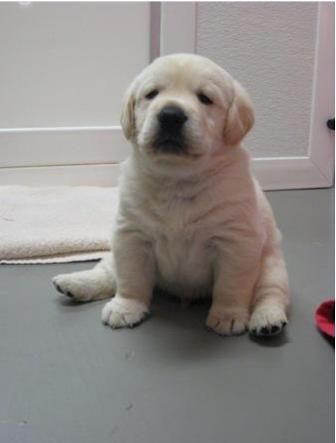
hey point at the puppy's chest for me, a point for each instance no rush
(181, 246)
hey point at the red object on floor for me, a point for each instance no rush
(325, 317)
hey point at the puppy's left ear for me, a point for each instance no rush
(240, 116)
(127, 118)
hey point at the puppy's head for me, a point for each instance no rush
(185, 106)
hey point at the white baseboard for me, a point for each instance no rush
(289, 173)
(272, 173)
(73, 175)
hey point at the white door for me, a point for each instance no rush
(63, 70)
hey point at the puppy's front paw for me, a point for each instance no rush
(123, 312)
(227, 322)
(267, 320)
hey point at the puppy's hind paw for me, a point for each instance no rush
(61, 286)
(267, 321)
(74, 286)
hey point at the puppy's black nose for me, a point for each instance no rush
(172, 118)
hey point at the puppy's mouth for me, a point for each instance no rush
(168, 144)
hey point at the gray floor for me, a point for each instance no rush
(65, 378)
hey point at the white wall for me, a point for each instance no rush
(69, 64)
(270, 48)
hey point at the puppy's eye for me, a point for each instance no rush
(152, 94)
(204, 99)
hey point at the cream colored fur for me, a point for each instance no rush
(195, 224)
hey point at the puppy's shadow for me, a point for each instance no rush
(274, 341)
(180, 329)
(183, 331)
(67, 304)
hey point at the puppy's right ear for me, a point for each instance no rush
(240, 116)
(127, 118)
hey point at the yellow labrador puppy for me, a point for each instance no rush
(192, 220)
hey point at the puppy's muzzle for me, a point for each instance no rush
(170, 138)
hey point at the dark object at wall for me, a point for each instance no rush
(331, 124)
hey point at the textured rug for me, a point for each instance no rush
(55, 224)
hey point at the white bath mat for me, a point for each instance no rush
(55, 224)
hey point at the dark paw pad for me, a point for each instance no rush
(58, 288)
(269, 330)
(265, 330)
(275, 329)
